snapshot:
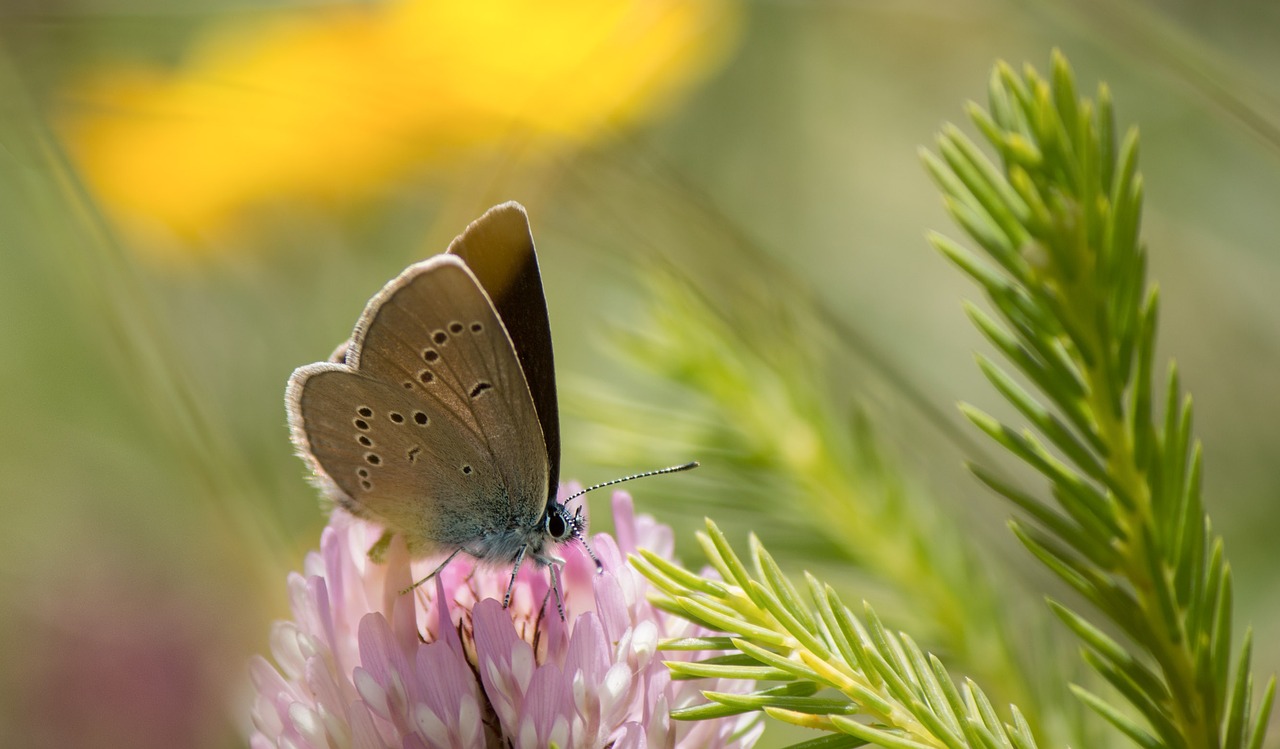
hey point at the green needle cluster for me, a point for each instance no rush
(1055, 218)
(839, 673)
(1063, 267)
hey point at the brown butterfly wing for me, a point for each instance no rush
(392, 457)
(498, 248)
(429, 343)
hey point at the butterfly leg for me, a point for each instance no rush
(555, 588)
(506, 600)
(434, 572)
(579, 527)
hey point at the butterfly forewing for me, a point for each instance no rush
(456, 443)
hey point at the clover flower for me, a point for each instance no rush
(361, 665)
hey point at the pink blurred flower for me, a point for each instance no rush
(360, 665)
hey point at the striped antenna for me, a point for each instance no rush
(646, 474)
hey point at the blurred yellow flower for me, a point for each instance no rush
(329, 105)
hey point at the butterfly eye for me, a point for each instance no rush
(557, 524)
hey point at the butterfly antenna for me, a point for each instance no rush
(579, 523)
(671, 469)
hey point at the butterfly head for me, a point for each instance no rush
(561, 527)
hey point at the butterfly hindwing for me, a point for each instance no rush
(388, 456)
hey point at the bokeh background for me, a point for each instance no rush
(197, 197)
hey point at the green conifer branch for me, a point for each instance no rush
(878, 686)
(766, 403)
(1059, 215)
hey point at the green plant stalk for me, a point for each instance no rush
(1194, 719)
(1132, 535)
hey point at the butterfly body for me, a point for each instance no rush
(438, 418)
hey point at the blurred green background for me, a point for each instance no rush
(152, 506)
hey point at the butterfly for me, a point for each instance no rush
(438, 418)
